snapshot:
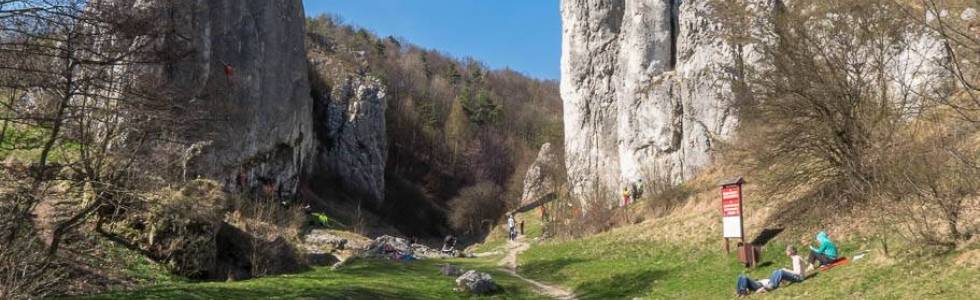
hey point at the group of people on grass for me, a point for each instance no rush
(824, 254)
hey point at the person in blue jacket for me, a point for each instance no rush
(826, 253)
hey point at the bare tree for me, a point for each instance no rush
(823, 100)
(96, 107)
(856, 101)
(957, 25)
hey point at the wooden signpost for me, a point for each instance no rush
(731, 210)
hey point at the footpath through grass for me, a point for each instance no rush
(360, 279)
(606, 266)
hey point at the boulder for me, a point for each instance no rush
(243, 256)
(381, 247)
(391, 243)
(323, 240)
(477, 283)
(322, 247)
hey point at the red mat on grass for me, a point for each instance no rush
(839, 262)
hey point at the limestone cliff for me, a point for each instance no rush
(644, 89)
(647, 85)
(245, 67)
(349, 121)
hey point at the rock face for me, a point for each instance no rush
(350, 127)
(644, 90)
(246, 68)
(540, 178)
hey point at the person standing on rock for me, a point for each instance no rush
(510, 227)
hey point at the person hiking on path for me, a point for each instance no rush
(797, 274)
(510, 227)
(825, 254)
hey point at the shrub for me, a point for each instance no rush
(476, 208)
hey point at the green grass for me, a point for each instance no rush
(361, 279)
(136, 267)
(24, 144)
(605, 267)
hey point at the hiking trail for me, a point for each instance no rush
(509, 264)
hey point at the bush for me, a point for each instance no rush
(571, 218)
(199, 231)
(179, 227)
(476, 208)
(25, 272)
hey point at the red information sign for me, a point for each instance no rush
(731, 201)
(731, 209)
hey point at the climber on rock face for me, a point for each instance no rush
(229, 72)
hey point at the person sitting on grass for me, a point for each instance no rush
(797, 274)
(825, 254)
(449, 245)
(745, 285)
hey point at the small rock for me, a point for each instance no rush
(477, 283)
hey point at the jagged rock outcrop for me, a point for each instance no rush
(244, 68)
(644, 89)
(540, 178)
(350, 128)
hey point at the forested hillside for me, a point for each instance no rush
(454, 126)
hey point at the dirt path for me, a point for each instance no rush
(509, 264)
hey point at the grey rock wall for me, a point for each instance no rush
(351, 139)
(644, 91)
(647, 90)
(243, 68)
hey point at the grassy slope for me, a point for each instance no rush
(361, 279)
(607, 266)
(681, 256)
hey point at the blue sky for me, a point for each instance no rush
(524, 35)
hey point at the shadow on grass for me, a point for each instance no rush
(264, 293)
(548, 269)
(621, 286)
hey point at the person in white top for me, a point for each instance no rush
(797, 274)
(510, 227)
